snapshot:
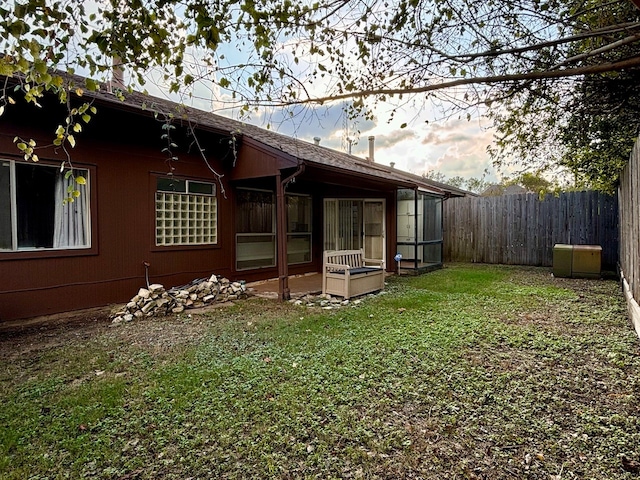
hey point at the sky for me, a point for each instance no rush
(431, 140)
(453, 146)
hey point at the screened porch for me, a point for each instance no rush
(419, 231)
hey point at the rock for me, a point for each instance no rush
(161, 302)
(117, 320)
(148, 306)
(144, 293)
(156, 300)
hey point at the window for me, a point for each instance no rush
(33, 212)
(255, 229)
(186, 212)
(298, 228)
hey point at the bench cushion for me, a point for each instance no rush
(359, 270)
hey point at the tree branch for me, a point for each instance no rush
(571, 72)
(597, 51)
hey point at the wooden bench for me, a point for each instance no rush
(347, 273)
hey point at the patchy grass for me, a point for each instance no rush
(468, 372)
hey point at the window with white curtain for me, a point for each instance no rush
(34, 211)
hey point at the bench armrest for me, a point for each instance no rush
(336, 266)
(377, 263)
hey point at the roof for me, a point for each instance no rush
(299, 149)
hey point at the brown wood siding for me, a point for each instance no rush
(124, 154)
(255, 161)
(123, 222)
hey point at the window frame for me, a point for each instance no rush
(55, 252)
(272, 234)
(308, 233)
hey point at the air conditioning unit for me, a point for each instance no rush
(577, 261)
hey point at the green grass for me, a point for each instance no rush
(467, 372)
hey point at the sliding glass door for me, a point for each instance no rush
(354, 224)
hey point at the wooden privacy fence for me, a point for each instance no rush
(629, 195)
(522, 229)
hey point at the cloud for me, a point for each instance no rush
(396, 137)
(453, 148)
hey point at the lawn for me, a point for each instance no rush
(468, 372)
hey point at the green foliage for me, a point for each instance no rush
(473, 184)
(468, 362)
(587, 125)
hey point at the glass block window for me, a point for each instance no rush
(186, 212)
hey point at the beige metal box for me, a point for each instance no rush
(587, 261)
(562, 260)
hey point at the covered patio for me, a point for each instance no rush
(299, 286)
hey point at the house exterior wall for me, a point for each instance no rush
(122, 184)
(123, 153)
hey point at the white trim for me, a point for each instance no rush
(632, 305)
(14, 206)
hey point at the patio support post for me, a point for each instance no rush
(281, 229)
(281, 238)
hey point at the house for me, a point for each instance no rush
(154, 206)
